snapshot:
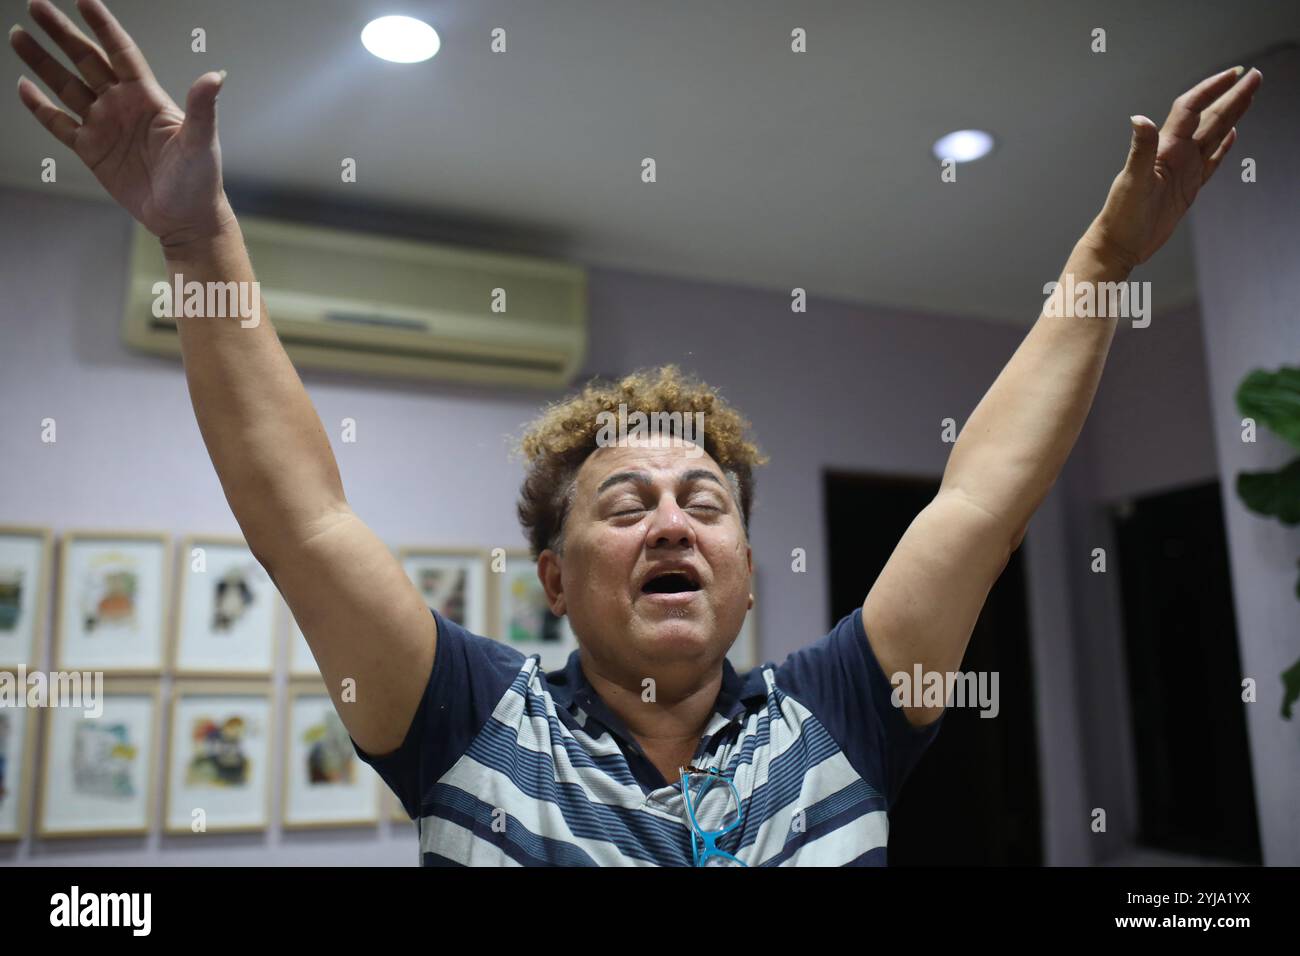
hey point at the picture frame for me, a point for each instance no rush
(302, 663)
(452, 581)
(18, 728)
(98, 774)
(394, 809)
(25, 558)
(325, 783)
(227, 610)
(219, 756)
(520, 617)
(111, 608)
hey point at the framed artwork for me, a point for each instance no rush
(393, 808)
(219, 758)
(325, 783)
(111, 610)
(452, 581)
(227, 611)
(24, 583)
(522, 618)
(17, 742)
(744, 652)
(99, 771)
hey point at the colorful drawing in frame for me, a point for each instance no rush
(325, 783)
(451, 581)
(24, 582)
(99, 770)
(111, 609)
(226, 622)
(522, 617)
(17, 743)
(218, 772)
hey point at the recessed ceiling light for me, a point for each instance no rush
(400, 39)
(964, 146)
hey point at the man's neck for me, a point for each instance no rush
(667, 719)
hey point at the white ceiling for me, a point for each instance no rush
(775, 169)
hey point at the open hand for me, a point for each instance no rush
(1167, 167)
(160, 164)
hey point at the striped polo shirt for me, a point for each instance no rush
(505, 764)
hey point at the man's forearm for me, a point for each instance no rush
(262, 433)
(1015, 443)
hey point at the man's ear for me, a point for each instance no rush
(549, 565)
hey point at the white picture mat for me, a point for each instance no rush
(301, 661)
(24, 554)
(66, 808)
(223, 806)
(554, 654)
(306, 802)
(139, 645)
(13, 747)
(248, 644)
(476, 600)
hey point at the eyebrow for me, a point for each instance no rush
(643, 478)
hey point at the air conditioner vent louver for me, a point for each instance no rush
(393, 307)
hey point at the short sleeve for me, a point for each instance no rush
(840, 681)
(469, 677)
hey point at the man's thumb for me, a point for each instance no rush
(1142, 148)
(201, 109)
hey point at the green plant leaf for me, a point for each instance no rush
(1272, 493)
(1290, 688)
(1273, 399)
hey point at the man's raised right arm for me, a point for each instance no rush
(362, 618)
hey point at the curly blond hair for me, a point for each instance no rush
(559, 440)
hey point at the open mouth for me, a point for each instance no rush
(670, 582)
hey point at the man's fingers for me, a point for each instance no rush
(201, 110)
(1185, 115)
(128, 62)
(63, 126)
(67, 86)
(1225, 112)
(85, 55)
(1142, 146)
(1213, 163)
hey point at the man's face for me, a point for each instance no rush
(639, 512)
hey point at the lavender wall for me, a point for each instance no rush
(841, 387)
(1247, 248)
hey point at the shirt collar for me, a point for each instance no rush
(571, 690)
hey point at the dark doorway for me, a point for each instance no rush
(1196, 793)
(973, 798)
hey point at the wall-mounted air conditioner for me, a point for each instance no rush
(397, 307)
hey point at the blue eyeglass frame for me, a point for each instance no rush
(709, 837)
